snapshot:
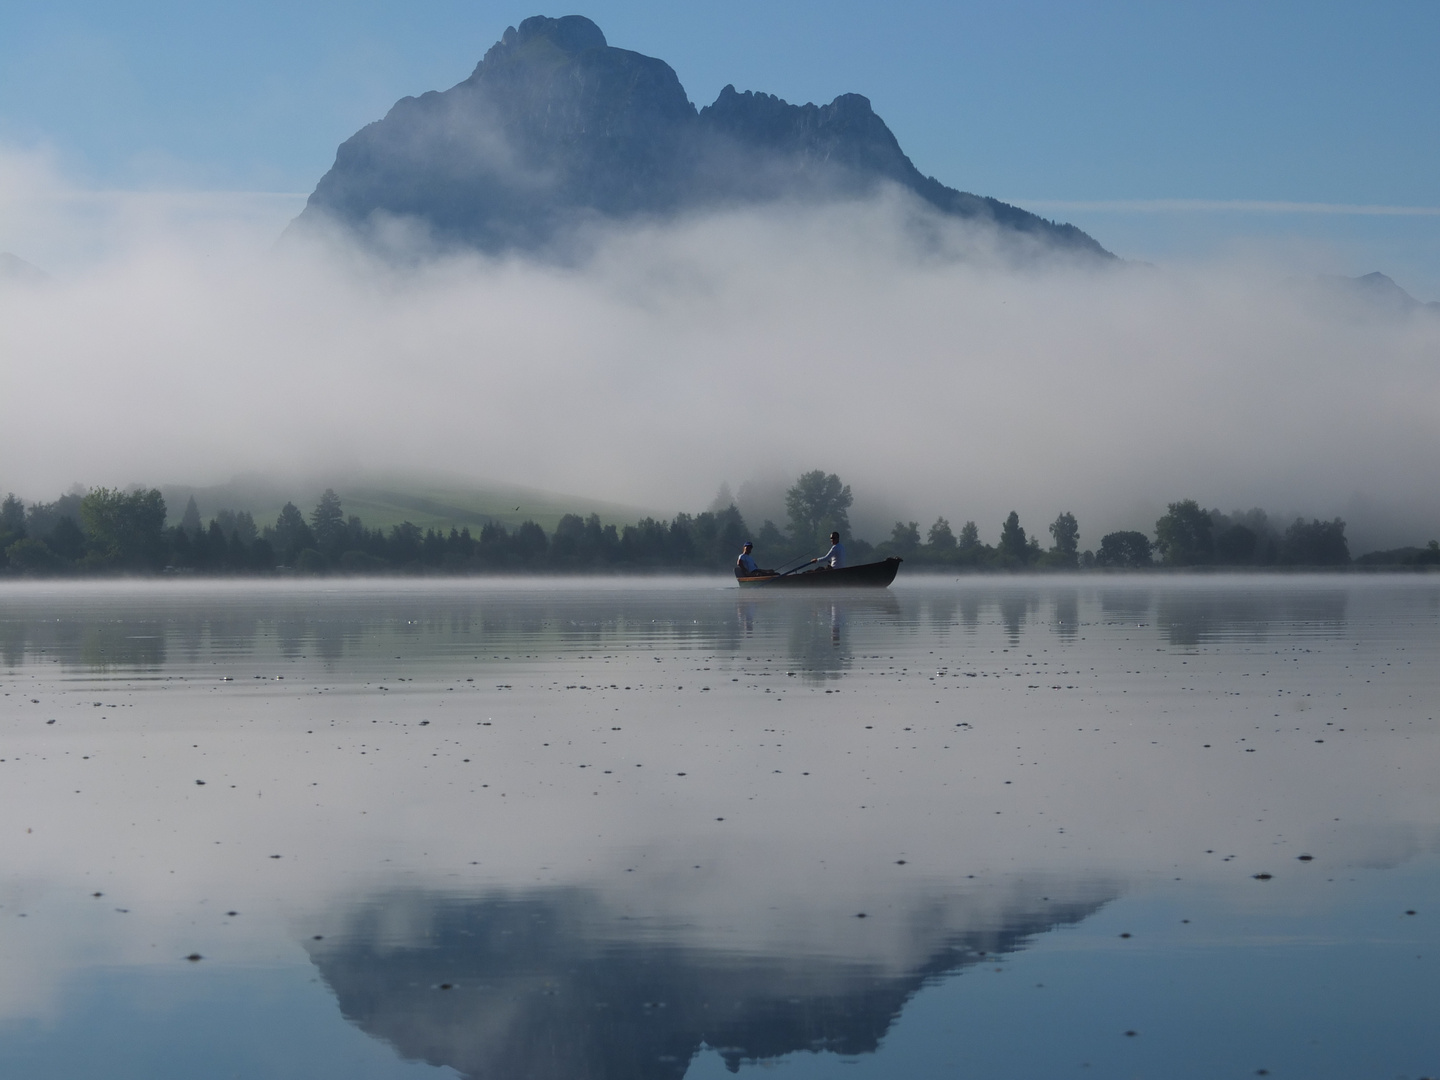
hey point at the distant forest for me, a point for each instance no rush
(106, 531)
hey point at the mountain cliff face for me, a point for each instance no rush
(556, 127)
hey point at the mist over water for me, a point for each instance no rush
(621, 828)
(937, 368)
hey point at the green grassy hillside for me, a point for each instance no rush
(383, 501)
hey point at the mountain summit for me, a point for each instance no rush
(556, 127)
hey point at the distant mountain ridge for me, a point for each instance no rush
(1378, 291)
(556, 128)
(14, 269)
(383, 500)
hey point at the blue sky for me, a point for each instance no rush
(1158, 127)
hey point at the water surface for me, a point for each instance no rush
(1098, 826)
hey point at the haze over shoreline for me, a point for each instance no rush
(744, 347)
(941, 365)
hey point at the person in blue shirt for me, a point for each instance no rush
(746, 562)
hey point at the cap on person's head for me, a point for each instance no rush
(748, 544)
(835, 536)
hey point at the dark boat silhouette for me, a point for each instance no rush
(875, 575)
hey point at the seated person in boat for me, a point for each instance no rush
(746, 565)
(834, 559)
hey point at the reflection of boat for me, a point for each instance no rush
(875, 575)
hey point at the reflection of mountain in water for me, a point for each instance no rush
(542, 986)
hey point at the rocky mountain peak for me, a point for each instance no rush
(542, 40)
(569, 33)
(556, 127)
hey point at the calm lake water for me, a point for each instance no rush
(1109, 827)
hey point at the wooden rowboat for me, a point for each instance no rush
(875, 575)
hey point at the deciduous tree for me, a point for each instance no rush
(125, 530)
(940, 537)
(1123, 550)
(1066, 532)
(905, 537)
(12, 520)
(1317, 543)
(817, 505)
(1183, 535)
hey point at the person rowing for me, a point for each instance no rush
(746, 564)
(835, 557)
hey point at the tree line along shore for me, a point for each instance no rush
(106, 531)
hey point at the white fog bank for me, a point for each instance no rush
(936, 372)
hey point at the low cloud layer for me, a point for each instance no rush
(935, 369)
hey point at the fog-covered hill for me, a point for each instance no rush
(15, 270)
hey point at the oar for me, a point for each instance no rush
(795, 569)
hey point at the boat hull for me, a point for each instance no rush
(876, 575)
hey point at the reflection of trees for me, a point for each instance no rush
(1125, 605)
(116, 636)
(942, 612)
(138, 643)
(1067, 614)
(819, 641)
(543, 985)
(12, 642)
(236, 628)
(970, 609)
(100, 644)
(1014, 606)
(1192, 616)
(291, 633)
(820, 633)
(819, 630)
(340, 623)
(331, 636)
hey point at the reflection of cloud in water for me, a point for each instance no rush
(1376, 846)
(553, 984)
